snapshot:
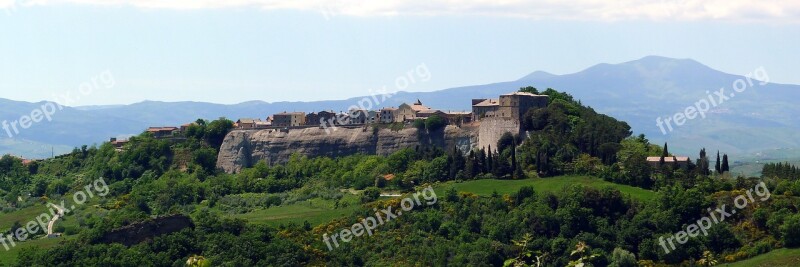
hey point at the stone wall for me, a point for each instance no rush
(492, 128)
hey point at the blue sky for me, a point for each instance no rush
(240, 50)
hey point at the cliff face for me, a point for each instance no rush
(244, 148)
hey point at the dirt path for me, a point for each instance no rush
(54, 219)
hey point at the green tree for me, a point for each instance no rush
(370, 194)
(725, 167)
(529, 89)
(206, 158)
(217, 130)
(437, 170)
(435, 123)
(790, 230)
(419, 124)
(457, 163)
(622, 258)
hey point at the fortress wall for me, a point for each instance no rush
(492, 128)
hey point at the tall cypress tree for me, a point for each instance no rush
(471, 165)
(718, 167)
(513, 155)
(725, 166)
(458, 163)
(499, 165)
(482, 161)
(516, 168)
(489, 160)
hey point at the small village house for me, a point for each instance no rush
(162, 132)
(185, 127)
(373, 116)
(387, 115)
(247, 123)
(358, 116)
(118, 144)
(483, 107)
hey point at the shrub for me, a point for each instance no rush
(435, 123)
(791, 231)
(622, 258)
(370, 194)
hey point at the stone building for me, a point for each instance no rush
(373, 116)
(288, 119)
(319, 118)
(503, 115)
(482, 107)
(406, 112)
(358, 116)
(515, 105)
(162, 132)
(387, 115)
(246, 123)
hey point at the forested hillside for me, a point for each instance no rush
(281, 215)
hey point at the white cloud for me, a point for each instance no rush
(587, 10)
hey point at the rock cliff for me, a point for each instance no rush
(139, 232)
(244, 148)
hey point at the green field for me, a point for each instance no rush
(295, 213)
(543, 185)
(317, 212)
(776, 258)
(22, 216)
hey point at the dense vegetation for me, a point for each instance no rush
(576, 225)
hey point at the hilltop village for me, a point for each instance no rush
(491, 118)
(512, 105)
(503, 113)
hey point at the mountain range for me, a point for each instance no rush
(758, 119)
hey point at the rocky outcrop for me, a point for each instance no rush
(244, 148)
(139, 232)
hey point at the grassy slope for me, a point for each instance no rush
(775, 258)
(317, 211)
(295, 213)
(22, 216)
(10, 257)
(25, 215)
(550, 185)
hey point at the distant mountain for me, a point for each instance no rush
(759, 118)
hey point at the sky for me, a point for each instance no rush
(302, 50)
